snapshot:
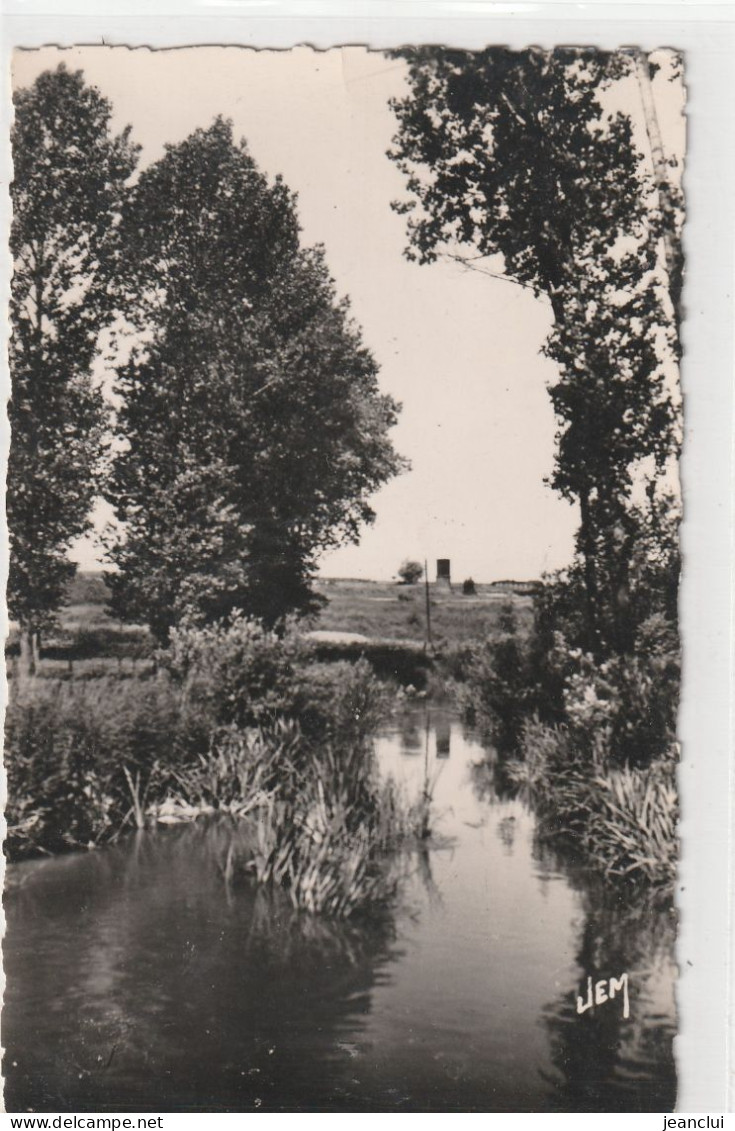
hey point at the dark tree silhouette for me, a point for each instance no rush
(252, 428)
(410, 572)
(69, 177)
(512, 154)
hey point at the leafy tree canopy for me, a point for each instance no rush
(252, 427)
(513, 154)
(69, 177)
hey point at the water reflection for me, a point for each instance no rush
(607, 1062)
(140, 978)
(443, 730)
(134, 982)
(604, 1061)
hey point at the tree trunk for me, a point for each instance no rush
(27, 662)
(592, 596)
(662, 177)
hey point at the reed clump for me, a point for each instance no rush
(318, 822)
(241, 723)
(622, 820)
(591, 740)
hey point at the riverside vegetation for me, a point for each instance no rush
(580, 704)
(256, 727)
(240, 724)
(589, 740)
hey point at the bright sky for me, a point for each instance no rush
(460, 350)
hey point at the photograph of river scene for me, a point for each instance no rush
(343, 507)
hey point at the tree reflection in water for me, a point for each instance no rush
(139, 980)
(604, 1061)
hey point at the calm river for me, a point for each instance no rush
(137, 981)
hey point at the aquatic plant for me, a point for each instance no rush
(72, 750)
(621, 820)
(240, 766)
(326, 859)
(632, 827)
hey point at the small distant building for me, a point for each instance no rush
(444, 572)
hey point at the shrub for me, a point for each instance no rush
(341, 702)
(625, 707)
(500, 689)
(592, 739)
(67, 746)
(241, 722)
(410, 572)
(400, 661)
(239, 672)
(469, 589)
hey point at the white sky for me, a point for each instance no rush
(460, 350)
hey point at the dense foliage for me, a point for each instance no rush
(243, 725)
(514, 155)
(252, 430)
(409, 572)
(68, 182)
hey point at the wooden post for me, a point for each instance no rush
(428, 604)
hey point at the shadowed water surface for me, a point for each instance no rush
(136, 980)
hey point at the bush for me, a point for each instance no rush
(501, 683)
(340, 702)
(469, 589)
(625, 707)
(410, 572)
(244, 675)
(237, 673)
(239, 714)
(401, 661)
(67, 746)
(592, 739)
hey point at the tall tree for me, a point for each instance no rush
(251, 422)
(513, 154)
(69, 177)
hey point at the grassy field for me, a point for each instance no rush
(89, 643)
(398, 612)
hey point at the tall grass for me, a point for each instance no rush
(632, 828)
(622, 820)
(240, 723)
(319, 823)
(80, 756)
(591, 740)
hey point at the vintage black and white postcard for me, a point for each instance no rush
(343, 506)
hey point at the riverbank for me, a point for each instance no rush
(459, 996)
(98, 745)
